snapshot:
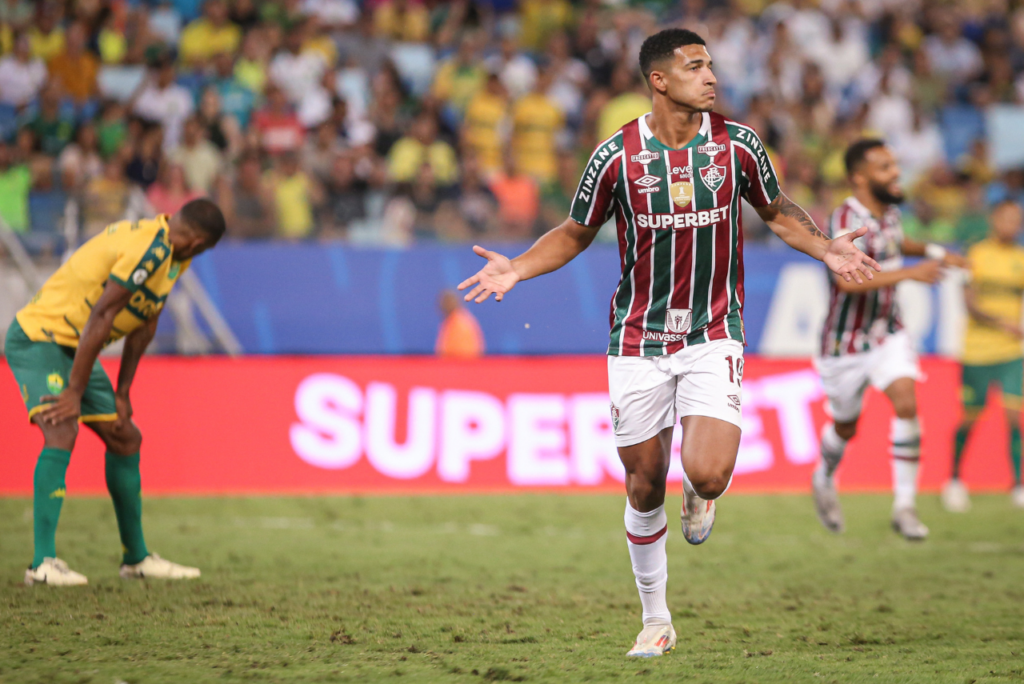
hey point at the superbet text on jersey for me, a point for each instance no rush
(680, 234)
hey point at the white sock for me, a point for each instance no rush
(832, 448)
(646, 534)
(906, 452)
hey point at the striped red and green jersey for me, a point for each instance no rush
(680, 233)
(858, 322)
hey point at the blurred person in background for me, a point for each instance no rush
(518, 198)
(401, 20)
(515, 70)
(460, 336)
(80, 161)
(992, 352)
(15, 184)
(146, 156)
(458, 79)
(76, 69)
(200, 158)
(624, 104)
(160, 100)
(485, 125)
(537, 121)
(21, 74)
(295, 194)
(52, 127)
(863, 342)
(422, 146)
(171, 191)
(220, 128)
(248, 203)
(46, 35)
(294, 69)
(211, 35)
(236, 99)
(345, 198)
(251, 67)
(110, 197)
(276, 123)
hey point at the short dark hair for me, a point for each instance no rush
(206, 217)
(661, 46)
(858, 151)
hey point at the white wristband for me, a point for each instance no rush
(934, 251)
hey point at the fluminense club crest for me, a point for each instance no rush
(713, 176)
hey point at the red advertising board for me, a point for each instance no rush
(415, 424)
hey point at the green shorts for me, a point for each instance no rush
(1009, 375)
(43, 368)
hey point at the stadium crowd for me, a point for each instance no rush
(390, 121)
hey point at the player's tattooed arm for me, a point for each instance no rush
(797, 229)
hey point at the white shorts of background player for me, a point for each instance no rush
(651, 393)
(845, 378)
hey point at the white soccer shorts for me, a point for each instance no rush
(846, 377)
(650, 393)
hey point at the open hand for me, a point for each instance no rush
(497, 277)
(849, 263)
(65, 406)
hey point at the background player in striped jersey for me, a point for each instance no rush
(863, 342)
(673, 180)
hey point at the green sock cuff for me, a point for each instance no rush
(56, 455)
(117, 459)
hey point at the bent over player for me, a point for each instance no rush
(113, 286)
(863, 342)
(673, 180)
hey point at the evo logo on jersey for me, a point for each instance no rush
(645, 157)
(648, 184)
(693, 219)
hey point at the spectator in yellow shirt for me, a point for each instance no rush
(295, 194)
(46, 37)
(541, 19)
(209, 35)
(420, 147)
(402, 20)
(460, 77)
(625, 105)
(537, 121)
(484, 123)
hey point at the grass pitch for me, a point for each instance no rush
(516, 588)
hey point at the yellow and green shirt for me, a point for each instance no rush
(136, 255)
(997, 276)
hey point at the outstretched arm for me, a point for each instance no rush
(553, 250)
(932, 251)
(68, 404)
(791, 223)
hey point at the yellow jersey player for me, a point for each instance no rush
(113, 286)
(992, 343)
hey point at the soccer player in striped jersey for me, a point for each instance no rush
(863, 342)
(673, 180)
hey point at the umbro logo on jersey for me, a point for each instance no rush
(711, 149)
(648, 184)
(645, 157)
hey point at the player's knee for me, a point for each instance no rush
(1013, 417)
(710, 483)
(646, 491)
(905, 406)
(60, 436)
(846, 431)
(125, 442)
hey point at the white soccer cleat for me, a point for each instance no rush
(906, 523)
(697, 516)
(826, 502)
(654, 641)
(955, 498)
(1017, 496)
(56, 573)
(155, 567)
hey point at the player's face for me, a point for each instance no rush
(688, 80)
(1006, 222)
(882, 173)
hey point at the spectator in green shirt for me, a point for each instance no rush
(53, 130)
(15, 182)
